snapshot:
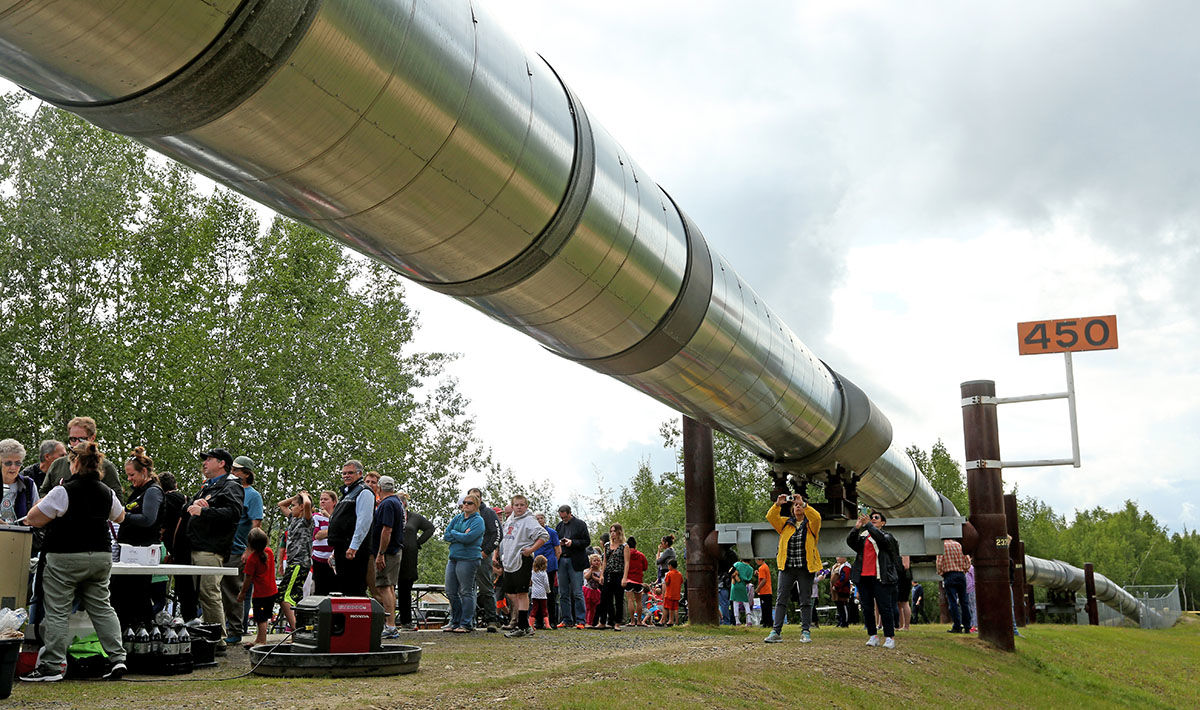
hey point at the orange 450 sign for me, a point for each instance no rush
(1067, 335)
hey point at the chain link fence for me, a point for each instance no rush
(1163, 601)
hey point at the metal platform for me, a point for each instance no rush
(287, 661)
(917, 536)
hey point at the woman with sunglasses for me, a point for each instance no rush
(465, 535)
(874, 573)
(20, 492)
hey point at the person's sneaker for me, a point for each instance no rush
(580, 626)
(805, 637)
(873, 641)
(517, 633)
(390, 632)
(233, 640)
(561, 625)
(889, 643)
(492, 628)
(115, 671)
(43, 674)
(773, 637)
(447, 626)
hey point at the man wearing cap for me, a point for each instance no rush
(211, 519)
(349, 526)
(387, 539)
(252, 517)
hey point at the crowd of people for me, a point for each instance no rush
(505, 564)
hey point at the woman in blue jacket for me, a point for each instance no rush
(465, 535)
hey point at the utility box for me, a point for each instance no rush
(16, 545)
(336, 624)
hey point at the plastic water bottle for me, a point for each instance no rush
(185, 650)
(127, 642)
(141, 650)
(154, 661)
(170, 658)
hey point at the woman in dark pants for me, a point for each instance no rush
(616, 569)
(875, 574)
(131, 593)
(417, 530)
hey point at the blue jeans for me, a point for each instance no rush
(955, 584)
(725, 606)
(460, 590)
(570, 594)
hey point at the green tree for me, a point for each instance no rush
(944, 473)
(1041, 529)
(1128, 546)
(179, 323)
(1186, 546)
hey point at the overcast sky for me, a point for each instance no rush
(903, 183)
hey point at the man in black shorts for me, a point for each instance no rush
(521, 537)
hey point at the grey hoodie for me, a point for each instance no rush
(517, 534)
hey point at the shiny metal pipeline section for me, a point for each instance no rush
(418, 133)
(1055, 574)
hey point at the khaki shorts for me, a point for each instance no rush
(390, 574)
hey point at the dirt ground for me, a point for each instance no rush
(458, 671)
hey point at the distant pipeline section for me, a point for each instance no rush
(416, 132)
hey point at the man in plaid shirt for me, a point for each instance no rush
(952, 565)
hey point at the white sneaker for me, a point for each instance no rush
(889, 643)
(873, 641)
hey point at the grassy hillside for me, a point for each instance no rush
(1055, 666)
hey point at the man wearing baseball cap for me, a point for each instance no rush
(252, 517)
(211, 518)
(387, 539)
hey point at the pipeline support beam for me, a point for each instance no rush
(1016, 558)
(985, 490)
(700, 513)
(1089, 586)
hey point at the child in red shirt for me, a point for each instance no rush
(672, 589)
(260, 582)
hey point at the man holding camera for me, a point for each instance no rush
(798, 559)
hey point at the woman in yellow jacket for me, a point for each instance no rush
(798, 560)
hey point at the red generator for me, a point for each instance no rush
(337, 624)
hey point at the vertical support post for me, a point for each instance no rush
(1089, 585)
(1071, 409)
(1016, 556)
(700, 513)
(1030, 601)
(1024, 601)
(985, 491)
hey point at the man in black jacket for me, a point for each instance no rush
(574, 537)
(485, 593)
(349, 531)
(875, 574)
(211, 518)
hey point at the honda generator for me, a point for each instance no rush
(337, 624)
